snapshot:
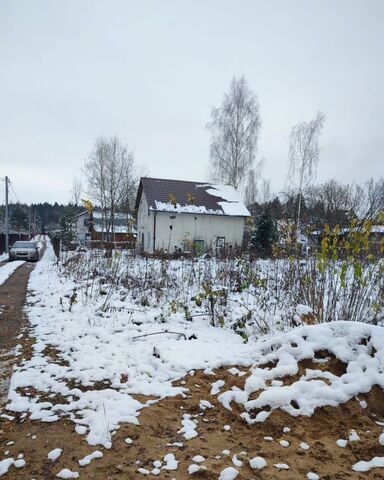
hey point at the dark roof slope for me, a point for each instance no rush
(188, 195)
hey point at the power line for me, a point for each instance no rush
(13, 190)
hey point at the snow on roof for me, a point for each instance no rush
(374, 229)
(97, 214)
(117, 216)
(116, 229)
(169, 207)
(232, 204)
(181, 196)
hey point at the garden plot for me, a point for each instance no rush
(110, 372)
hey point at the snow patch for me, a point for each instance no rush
(54, 454)
(229, 473)
(258, 463)
(376, 462)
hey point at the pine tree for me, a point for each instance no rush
(66, 223)
(265, 235)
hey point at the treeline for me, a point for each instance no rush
(330, 203)
(321, 207)
(38, 217)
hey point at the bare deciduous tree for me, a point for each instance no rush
(234, 133)
(76, 190)
(304, 152)
(334, 203)
(254, 185)
(265, 191)
(374, 198)
(251, 189)
(112, 178)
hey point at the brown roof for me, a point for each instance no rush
(183, 191)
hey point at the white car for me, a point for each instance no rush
(24, 250)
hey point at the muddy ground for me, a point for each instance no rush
(12, 321)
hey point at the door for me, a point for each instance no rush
(220, 245)
(199, 247)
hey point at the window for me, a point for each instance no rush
(220, 244)
(187, 245)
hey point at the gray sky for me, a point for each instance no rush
(149, 71)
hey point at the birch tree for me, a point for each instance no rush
(254, 183)
(374, 205)
(234, 128)
(111, 179)
(304, 153)
(76, 190)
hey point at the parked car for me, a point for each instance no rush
(22, 250)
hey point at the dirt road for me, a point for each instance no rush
(12, 321)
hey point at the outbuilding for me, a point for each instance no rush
(92, 229)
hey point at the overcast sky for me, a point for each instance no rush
(150, 71)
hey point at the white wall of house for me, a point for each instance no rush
(186, 228)
(81, 230)
(144, 226)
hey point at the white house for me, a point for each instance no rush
(90, 227)
(183, 216)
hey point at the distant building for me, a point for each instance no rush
(91, 227)
(13, 236)
(189, 217)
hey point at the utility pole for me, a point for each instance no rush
(6, 216)
(29, 222)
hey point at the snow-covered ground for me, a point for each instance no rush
(7, 270)
(104, 358)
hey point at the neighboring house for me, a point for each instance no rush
(13, 236)
(182, 216)
(90, 227)
(375, 237)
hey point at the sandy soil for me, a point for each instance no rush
(159, 428)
